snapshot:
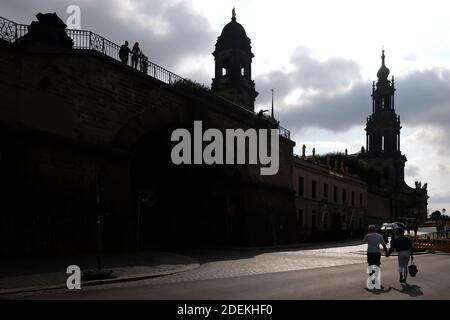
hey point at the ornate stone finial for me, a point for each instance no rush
(346, 152)
(425, 186)
(303, 151)
(363, 150)
(49, 32)
(314, 154)
(233, 14)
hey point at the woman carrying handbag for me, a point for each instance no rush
(404, 248)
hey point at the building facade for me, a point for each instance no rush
(330, 203)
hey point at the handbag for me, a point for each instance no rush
(412, 269)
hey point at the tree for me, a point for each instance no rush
(436, 216)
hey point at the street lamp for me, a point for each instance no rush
(99, 273)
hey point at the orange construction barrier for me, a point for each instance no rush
(442, 245)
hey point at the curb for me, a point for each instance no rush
(299, 245)
(100, 282)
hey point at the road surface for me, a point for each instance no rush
(340, 281)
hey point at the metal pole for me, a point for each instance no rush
(138, 221)
(99, 241)
(99, 222)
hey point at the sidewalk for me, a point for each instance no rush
(28, 275)
(305, 245)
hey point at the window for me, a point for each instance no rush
(301, 186)
(335, 194)
(314, 189)
(325, 191)
(300, 218)
(353, 198)
(360, 200)
(242, 72)
(344, 196)
(224, 71)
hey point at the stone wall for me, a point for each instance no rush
(68, 116)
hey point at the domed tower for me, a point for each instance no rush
(383, 130)
(233, 74)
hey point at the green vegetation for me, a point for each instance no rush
(358, 166)
(190, 86)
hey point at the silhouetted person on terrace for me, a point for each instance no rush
(124, 53)
(135, 54)
(144, 63)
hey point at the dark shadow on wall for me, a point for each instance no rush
(183, 205)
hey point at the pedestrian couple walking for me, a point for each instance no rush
(400, 244)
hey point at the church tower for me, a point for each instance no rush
(383, 131)
(233, 73)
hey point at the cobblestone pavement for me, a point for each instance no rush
(217, 264)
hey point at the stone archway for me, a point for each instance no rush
(190, 205)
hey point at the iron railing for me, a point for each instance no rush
(87, 40)
(11, 31)
(285, 132)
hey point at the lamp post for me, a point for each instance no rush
(445, 223)
(98, 273)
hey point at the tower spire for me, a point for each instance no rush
(383, 72)
(233, 65)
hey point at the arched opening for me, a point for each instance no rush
(183, 205)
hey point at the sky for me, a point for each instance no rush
(319, 56)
